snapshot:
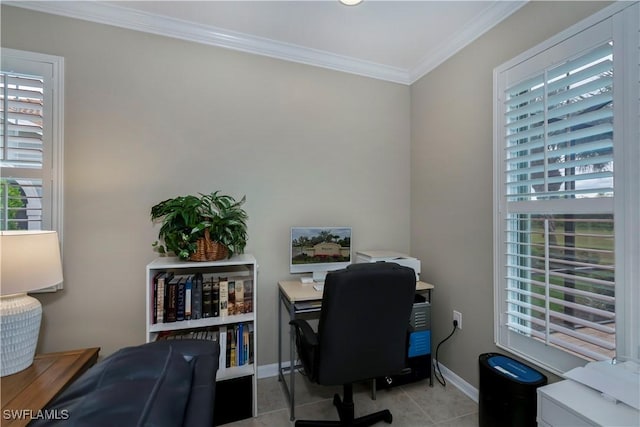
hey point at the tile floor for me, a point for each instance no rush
(412, 405)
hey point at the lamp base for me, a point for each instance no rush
(20, 317)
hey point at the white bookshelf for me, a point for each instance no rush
(239, 265)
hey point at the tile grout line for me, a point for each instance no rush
(417, 404)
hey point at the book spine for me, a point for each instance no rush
(230, 347)
(222, 340)
(187, 298)
(240, 345)
(196, 297)
(181, 297)
(250, 349)
(172, 300)
(215, 299)
(231, 298)
(206, 298)
(239, 299)
(160, 296)
(224, 297)
(245, 347)
(154, 300)
(248, 296)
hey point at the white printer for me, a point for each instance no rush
(389, 256)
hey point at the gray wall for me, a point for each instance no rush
(148, 118)
(451, 176)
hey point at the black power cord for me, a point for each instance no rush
(436, 371)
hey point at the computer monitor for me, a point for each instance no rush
(318, 250)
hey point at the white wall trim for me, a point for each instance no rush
(268, 371)
(491, 17)
(110, 14)
(453, 379)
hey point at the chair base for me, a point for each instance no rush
(346, 413)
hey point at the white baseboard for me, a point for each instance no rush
(459, 383)
(267, 371)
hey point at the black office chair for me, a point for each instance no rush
(362, 333)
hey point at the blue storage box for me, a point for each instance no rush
(419, 343)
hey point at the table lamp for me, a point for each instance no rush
(29, 260)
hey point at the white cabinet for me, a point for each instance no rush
(239, 266)
(570, 404)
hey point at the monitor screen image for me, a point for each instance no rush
(318, 250)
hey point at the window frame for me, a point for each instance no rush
(623, 20)
(51, 67)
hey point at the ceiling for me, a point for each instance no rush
(398, 41)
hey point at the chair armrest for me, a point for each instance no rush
(307, 345)
(307, 333)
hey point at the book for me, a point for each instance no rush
(238, 332)
(245, 347)
(248, 295)
(187, 297)
(231, 348)
(215, 298)
(224, 296)
(222, 341)
(250, 343)
(171, 300)
(154, 296)
(205, 333)
(239, 297)
(231, 297)
(196, 297)
(206, 299)
(162, 296)
(180, 299)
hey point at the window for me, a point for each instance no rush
(30, 141)
(31, 114)
(565, 118)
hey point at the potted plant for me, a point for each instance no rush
(201, 228)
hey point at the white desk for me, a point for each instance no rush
(302, 299)
(570, 404)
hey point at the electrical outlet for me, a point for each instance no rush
(457, 316)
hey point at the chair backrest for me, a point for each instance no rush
(362, 332)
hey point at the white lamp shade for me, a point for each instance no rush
(30, 260)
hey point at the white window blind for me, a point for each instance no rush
(559, 131)
(22, 147)
(561, 135)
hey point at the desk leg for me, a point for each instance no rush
(279, 336)
(288, 388)
(292, 354)
(430, 350)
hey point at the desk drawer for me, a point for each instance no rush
(554, 415)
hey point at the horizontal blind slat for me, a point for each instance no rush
(590, 72)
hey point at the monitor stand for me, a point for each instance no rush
(319, 276)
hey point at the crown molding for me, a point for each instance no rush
(114, 15)
(491, 17)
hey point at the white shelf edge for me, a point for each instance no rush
(175, 263)
(234, 372)
(201, 323)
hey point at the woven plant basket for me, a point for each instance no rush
(209, 250)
